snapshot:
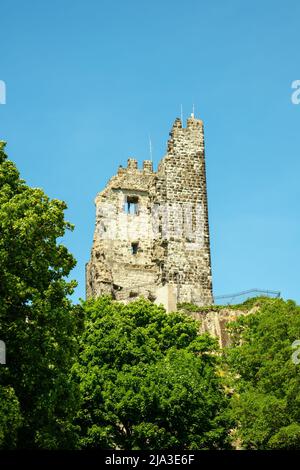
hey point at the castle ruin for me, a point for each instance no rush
(151, 235)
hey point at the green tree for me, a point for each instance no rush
(148, 380)
(266, 403)
(37, 320)
(10, 418)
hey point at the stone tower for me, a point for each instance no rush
(152, 236)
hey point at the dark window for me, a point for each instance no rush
(132, 205)
(133, 294)
(134, 248)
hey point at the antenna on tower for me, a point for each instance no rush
(181, 114)
(193, 113)
(150, 148)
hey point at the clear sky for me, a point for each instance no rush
(88, 81)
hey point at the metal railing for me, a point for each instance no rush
(240, 297)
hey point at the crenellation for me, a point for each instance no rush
(148, 166)
(132, 164)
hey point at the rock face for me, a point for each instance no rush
(215, 321)
(151, 235)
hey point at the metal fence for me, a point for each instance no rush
(240, 297)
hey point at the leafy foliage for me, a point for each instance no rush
(267, 403)
(37, 320)
(142, 379)
(148, 381)
(10, 417)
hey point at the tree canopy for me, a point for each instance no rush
(266, 405)
(10, 417)
(103, 374)
(37, 321)
(148, 380)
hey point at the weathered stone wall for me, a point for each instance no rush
(181, 186)
(170, 226)
(113, 268)
(215, 321)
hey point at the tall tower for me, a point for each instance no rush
(181, 189)
(152, 236)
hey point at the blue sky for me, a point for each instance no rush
(88, 81)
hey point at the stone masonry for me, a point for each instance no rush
(151, 236)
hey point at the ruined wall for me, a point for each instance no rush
(163, 240)
(181, 187)
(113, 268)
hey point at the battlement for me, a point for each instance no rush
(132, 166)
(187, 140)
(191, 123)
(148, 165)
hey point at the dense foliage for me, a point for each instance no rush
(148, 380)
(10, 417)
(266, 405)
(37, 321)
(108, 375)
